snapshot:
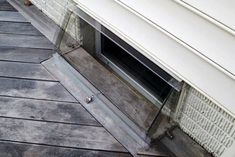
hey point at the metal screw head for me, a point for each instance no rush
(89, 99)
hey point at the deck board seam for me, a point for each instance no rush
(22, 34)
(41, 144)
(30, 79)
(49, 49)
(44, 61)
(14, 21)
(28, 98)
(13, 61)
(60, 83)
(52, 122)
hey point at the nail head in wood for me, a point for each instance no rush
(89, 99)
(27, 2)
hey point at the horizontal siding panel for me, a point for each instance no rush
(220, 10)
(205, 38)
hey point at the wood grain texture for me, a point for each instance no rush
(183, 146)
(135, 106)
(11, 40)
(75, 136)
(34, 89)
(11, 16)
(71, 113)
(24, 54)
(5, 6)
(104, 113)
(24, 70)
(13, 149)
(18, 28)
(38, 116)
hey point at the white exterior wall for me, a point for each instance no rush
(199, 117)
(56, 10)
(205, 122)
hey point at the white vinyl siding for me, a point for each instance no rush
(205, 122)
(57, 10)
(220, 10)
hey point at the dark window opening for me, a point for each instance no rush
(138, 71)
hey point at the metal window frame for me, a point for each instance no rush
(134, 53)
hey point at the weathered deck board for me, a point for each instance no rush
(34, 89)
(100, 107)
(5, 6)
(38, 116)
(183, 146)
(71, 113)
(24, 70)
(75, 136)
(18, 28)
(135, 106)
(11, 40)
(24, 54)
(11, 16)
(12, 149)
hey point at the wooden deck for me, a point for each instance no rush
(38, 116)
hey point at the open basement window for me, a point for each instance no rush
(131, 65)
(136, 70)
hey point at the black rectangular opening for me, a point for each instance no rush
(135, 69)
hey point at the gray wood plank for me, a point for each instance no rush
(156, 149)
(72, 113)
(12, 149)
(34, 89)
(104, 112)
(18, 28)
(182, 145)
(24, 54)
(135, 106)
(25, 41)
(5, 6)
(11, 16)
(76, 136)
(24, 70)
